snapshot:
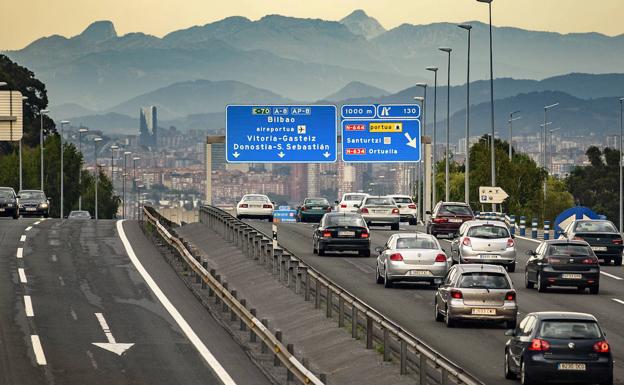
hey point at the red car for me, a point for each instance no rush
(447, 217)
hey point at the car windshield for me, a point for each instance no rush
(484, 280)
(379, 202)
(4, 194)
(316, 201)
(354, 197)
(255, 198)
(488, 232)
(345, 220)
(568, 250)
(569, 329)
(595, 227)
(403, 200)
(455, 210)
(416, 243)
(31, 195)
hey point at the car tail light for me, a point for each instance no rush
(456, 294)
(440, 220)
(411, 206)
(327, 234)
(440, 258)
(590, 261)
(364, 210)
(395, 211)
(466, 242)
(602, 347)
(343, 205)
(267, 206)
(243, 205)
(364, 234)
(510, 243)
(617, 241)
(396, 257)
(539, 345)
(510, 296)
(578, 239)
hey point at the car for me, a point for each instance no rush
(411, 257)
(476, 292)
(562, 263)
(255, 206)
(408, 211)
(447, 217)
(341, 232)
(313, 209)
(379, 210)
(558, 347)
(348, 202)
(485, 242)
(602, 235)
(33, 202)
(8, 203)
(79, 214)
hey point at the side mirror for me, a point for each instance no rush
(379, 249)
(510, 333)
(49, 199)
(336, 202)
(428, 212)
(530, 253)
(274, 204)
(513, 236)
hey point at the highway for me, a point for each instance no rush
(477, 347)
(93, 302)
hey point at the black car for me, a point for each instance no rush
(8, 203)
(563, 263)
(339, 231)
(33, 202)
(558, 347)
(602, 235)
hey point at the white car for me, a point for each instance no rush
(408, 211)
(256, 206)
(348, 202)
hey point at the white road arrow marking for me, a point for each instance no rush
(236, 154)
(281, 154)
(326, 154)
(410, 142)
(111, 345)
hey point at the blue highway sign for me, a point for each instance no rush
(358, 111)
(393, 135)
(280, 134)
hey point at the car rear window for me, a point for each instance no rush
(379, 202)
(255, 198)
(345, 220)
(403, 200)
(568, 250)
(595, 227)
(354, 197)
(488, 232)
(416, 243)
(483, 280)
(319, 201)
(454, 210)
(569, 329)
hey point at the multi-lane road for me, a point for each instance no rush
(477, 347)
(93, 302)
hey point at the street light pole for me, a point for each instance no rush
(435, 132)
(448, 122)
(511, 119)
(21, 169)
(421, 174)
(97, 174)
(134, 160)
(468, 28)
(125, 172)
(41, 145)
(550, 162)
(621, 165)
(546, 108)
(81, 131)
(63, 123)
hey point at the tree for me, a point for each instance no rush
(108, 202)
(558, 197)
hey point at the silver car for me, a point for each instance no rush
(476, 292)
(378, 210)
(411, 257)
(485, 242)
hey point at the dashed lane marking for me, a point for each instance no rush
(38, 349)
(28, 306)
(20, 253)
(22, 275)
(611, 276)
(23, 238)
(618, 301)
(28, 228)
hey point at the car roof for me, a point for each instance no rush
(456, 203)
(400, 196)
(481, 222)
(545, 315)
(31, 191)
(305, 199)
(565, 242)
(413, 235)
(476, 267)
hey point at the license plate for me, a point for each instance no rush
(254, 206)
(571, 366)
(483, 311)
(489, 256)
(31, 209)
(346, 233)
(455, 220)
(571, 276)
(380, 211)
(420, 273)
(599, 248)
(316, 208)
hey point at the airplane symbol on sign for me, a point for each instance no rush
(301, 129)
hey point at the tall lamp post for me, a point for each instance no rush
(41, 113)
(421, 174)
(435, 132)
(63, 123)
(511, 120)
(448, 122)
(493, 144)
(125, 174)
(113, 148)
(621, 165)
(138, 198)
(21, 169)
(546, 108)
(97, 173)
(81, 131)
(134, 178)
(468, 28)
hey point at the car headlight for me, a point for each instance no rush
(9, 204)
(43, 205)
(21, 206)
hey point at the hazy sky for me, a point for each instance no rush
(27, 20)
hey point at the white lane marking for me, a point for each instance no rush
(22, 275)
(28, 306)
(28, 228)
(61, 281)
(366, 269)
(92, 358)
(186, 328)
(20, 253)
(611, 276)
(23, 238)
(618, 301)
(73, 314)
(38, 349)
(54, 258)
(36, 223)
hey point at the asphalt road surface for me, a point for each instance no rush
(67, 286)
(478, 347)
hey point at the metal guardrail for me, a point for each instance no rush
(393, 340)
(255, 325)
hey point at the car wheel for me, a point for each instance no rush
(541, 285)
(413, 222)
(438, 317)
(450, 322)
(595, 289)
(511, 267)
(314, 249)
(364, 253)
(379, 279)
(387, 281)
(617, 261)
(394, 226)
(524, 377)
(528, 284)
(239, 217)
(16, 216)
(508, 373)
